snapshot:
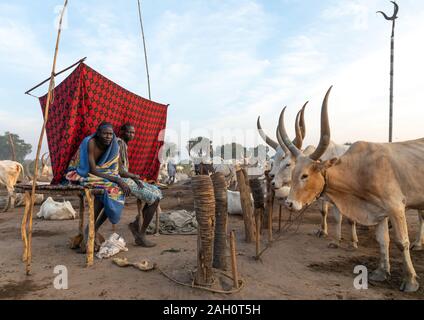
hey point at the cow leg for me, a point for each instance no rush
(10, 199)
(419, 243)
(354, 235)
(409, 283)
(339, 219)
(323, 232)
(7, 204)
(383, 239)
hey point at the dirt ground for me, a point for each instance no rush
(297, 266)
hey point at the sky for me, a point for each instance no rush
(222, 63)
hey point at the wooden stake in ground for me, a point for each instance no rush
(259, 203)
(269, 205)
(40, 141)
(204, 205)
(392, 62)
(221, 221)
(234, 259)
(280, 213)
(246, 205)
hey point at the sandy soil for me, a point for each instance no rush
(297, 266)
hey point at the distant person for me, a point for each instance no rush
(172, 170)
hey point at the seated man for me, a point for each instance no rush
(96, 165)
(143, 191)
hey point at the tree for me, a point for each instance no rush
(22, 149)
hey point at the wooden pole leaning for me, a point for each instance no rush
(40, 142)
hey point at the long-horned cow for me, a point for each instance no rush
(10, 172)
(281, 151)
(370, 183)
(282, 181)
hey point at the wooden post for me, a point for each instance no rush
(270, 217)
(40, 141)
(91, 231)
(258, 196)
(392, 62)
(204, 205)
(269, 192)
(81, 214)
(246, 205)
(27, 200)
(221, 218)
(280, 217)
(234, 259)
(258, 213)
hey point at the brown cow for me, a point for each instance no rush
(370, 183)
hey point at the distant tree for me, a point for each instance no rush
(348, 143)
(22, 149)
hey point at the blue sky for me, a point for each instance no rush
(221, 63)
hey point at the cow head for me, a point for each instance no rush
(281, 151)
(308, 175)
(282, 179)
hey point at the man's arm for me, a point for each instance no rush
(94, 171)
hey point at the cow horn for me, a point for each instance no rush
(282, 130)
(302, 121)
(298, 141)
(267, 139)
(281, 142)
(44, 161)
(325, 130)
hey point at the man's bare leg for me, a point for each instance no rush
(139, 231)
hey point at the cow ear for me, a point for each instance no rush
(328, 164)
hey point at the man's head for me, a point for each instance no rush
(104, 133)
(128, 132)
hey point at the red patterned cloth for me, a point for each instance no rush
(86, 98)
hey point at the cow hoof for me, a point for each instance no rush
(333, 245)
(353, 245)
(417, 246)
(379, 275)
(410, 285)
(321, 234)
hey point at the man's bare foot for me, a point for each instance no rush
(143, 242)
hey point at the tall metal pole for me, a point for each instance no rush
(145, 50)
(392, 62)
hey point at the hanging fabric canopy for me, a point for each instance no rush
(86, 98)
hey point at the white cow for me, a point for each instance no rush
(52, 210)
(10, 172)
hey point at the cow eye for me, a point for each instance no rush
(304, 177)
(288, 165)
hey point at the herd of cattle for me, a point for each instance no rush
(368, 183)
